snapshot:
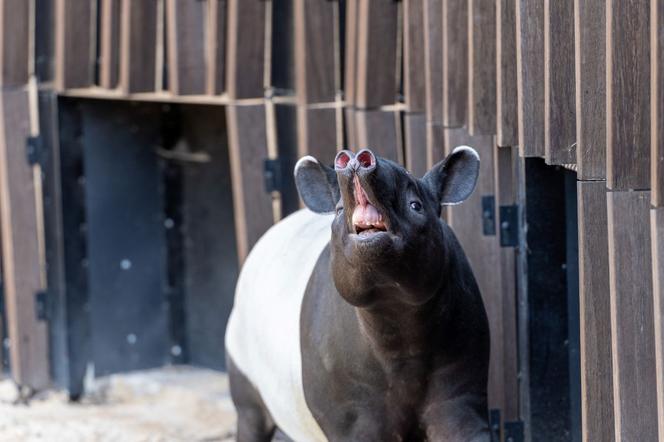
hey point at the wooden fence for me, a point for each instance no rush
(578, 83)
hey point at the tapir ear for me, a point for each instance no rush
(317, 185)
(453, 179)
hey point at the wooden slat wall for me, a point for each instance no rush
(138, 46)
(109, 38)
(245, 49)
(482, 67)
(15, 25)
(74, 46)
(506, 110)
(186, 22)
(455, 62)
(414, 55)
(216, 46)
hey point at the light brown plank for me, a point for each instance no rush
(350, 74)
(595, 313)
(216, 47)
(415, 134)
(433, 60)
(74, 48)
(186, 46)
(138, 46)
(14, 41)
(530, 76)
(455, 62)
(657, 100)
(628, 94)
(413, 54)
(559, 90)
(109, 62)
(657, 236)
(245, 49)
(632, 328)
(590, 88)
(482, 67)
(377, 130)
(21, 251)
(506, 95)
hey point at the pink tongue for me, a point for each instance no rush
(366, 216)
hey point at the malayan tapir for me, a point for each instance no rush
(359, 318)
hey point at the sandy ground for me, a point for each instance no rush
(169, 404)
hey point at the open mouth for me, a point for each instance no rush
(367, 219)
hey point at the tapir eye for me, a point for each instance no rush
(416, 206)
(339, 210)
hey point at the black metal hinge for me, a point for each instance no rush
(272, 175)
(42, 306)
(489, 215)
(509, 226)
(514, 431)
(34, 150)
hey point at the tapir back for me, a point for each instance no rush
(263, 333)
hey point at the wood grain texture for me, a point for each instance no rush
(14, 42)
(317, 133)
(590, 88)
(455, 62)
(247, 142)
(215, 47)
(315, 65)
(559, 90)
(628, 94)
(657, 238)
(350, 53)
(138, 46)
(482, 67)
(245, 49)
(186, 46)
(413, 54)
(74, 47)
(109, 62)
(433, 60)
(21, 252)
(377, 130)
(506, 94)
(657, 101)
(595, 313)
(435, 144)
(415, 135)
(376, 53)
(530, 76)
(632, 328)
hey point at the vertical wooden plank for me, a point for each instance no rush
(245, 49)
(350, 71)
(590, 88)
(433, 60)
(14, 40)
(74, 47)
(376, 67)
(595, 313)
(248, 149)
(435, 144)
(559, 90)
(657, 236)
(138, 46)
(216, 47)
(317, 133)
(314, 51)
(186, 46)
(415, 134)
(21, 250)
(44, 40)
(482, 67)
(455, 62)
(632, 328)
(657, 100)
(377, 130)
(413, 54)
(628, 94)
(506, 96)
(530, 76)
(109, 43)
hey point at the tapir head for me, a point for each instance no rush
(387, 230)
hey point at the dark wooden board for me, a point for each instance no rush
(506, 94)
(657, 238)
(350, 52)
(74, 60)
(282, 70)
(376, 83)
(433, 60)
(657, 101)
(413, 55)
(247, 141)
(138, 46)
(628, 95)
(455, 62)
(315, 66)
(22, 261)
(245, 49)
(559, 90)
(632, 337)
(216, 47)
(530, 76)
(595, 313)
(415, 135)
(14, 41)
(109, 32)
(435, 144)
(350, 129)
(482, 67)
(186, 46)
(317, 133)
(44, 40)
(590, 88)
(377, 130)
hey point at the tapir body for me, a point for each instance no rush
(366, 323)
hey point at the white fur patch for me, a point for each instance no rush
(263, 333)
(469, 149)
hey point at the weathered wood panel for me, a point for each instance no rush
(657, 101)
(628, 94)
(559, 95)
(377, 130)
(590, 88)
(632, 337)
(247, 141)
(138, 46)
(376, 65)
(506, 109)
(455, 62)
(317, 133)
(14, 42)
(74, 46)
(415, 135)
(482, 67)
(186, 46)
(245, 49)
(216, 47)
(109, 61)
(21, 251)
(530, 76)
(595, 313)
(413, 54)
(350, 52)
(433, 60)
(435, 144)
(657, 237)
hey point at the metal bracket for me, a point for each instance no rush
(514, 431)
(34, 150)
(272, 175)
(494, 425)
(489, 215)
(42, 306)
(509, 226)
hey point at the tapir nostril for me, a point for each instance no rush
(342, 159)
(366, 158)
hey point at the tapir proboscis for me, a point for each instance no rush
(359, 318)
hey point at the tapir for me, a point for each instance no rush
(358, 318)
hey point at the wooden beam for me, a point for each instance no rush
(433, 60)
(215, 47)
(377, 130)
(559, 90)
(455, 62)
(482, 67)
(415, 135)
(530, 76)
(632, 327)
(74, 47)
(657, 236)
(590, 88)
(245, 49)
(657, 101)
(413, 54)
(186, 46)
(14, 42)
(506, 95)
(138, 46)
(109, 62)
